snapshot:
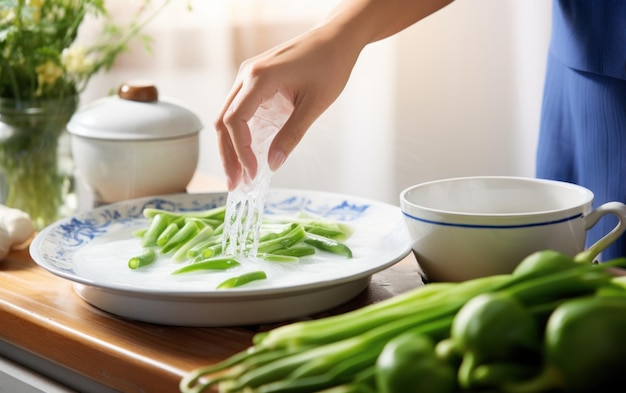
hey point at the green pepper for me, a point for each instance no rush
(496, 375)
(584, 347)
(493, 328)
(409, 364)
(543, 262)
(585, 342)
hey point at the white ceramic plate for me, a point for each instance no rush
(92, 250)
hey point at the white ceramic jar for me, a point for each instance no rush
(134, 144)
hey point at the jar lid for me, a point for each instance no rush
(135, 113)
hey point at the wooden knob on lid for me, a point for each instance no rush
(138, 91)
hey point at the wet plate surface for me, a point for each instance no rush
(92, 250)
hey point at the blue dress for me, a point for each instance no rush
(582, 136)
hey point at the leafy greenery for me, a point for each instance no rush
(40, 56)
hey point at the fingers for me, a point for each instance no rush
(297, 70)
(241, 139)
(230, 161)
(290, 135)
(233, 134)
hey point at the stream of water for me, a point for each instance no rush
(245, 204)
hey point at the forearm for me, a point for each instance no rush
(360, 22)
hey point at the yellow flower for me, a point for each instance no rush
(75, 61)
(47, 74)
(36, 6)
(7, 16)
(34, 33)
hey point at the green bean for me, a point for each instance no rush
(210, 222)
(295, 234)
(326, 244)
(297, 250)
(315, 225)
(184, 234)
(215, 213)
(145, 259)
(223, 263)
(242, 279)
(157, 226)
(193, 235)
(140, 233)
(204, 234)
(165, 236)
(278, 258)
(219, 230)
(324, 230)
(213, 249)
(200, 247)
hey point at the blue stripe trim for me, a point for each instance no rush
(534, 224)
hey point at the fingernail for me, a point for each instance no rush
(276, 160)
(230, 184)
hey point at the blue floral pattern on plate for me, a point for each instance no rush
(92, 251)
(342, 210)
(56, 247)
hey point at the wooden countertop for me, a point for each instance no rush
(41, 314)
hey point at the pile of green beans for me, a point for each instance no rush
(196, 238)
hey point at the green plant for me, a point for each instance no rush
(40, 54)
(45, 62)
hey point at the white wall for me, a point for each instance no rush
(457, 94)
(469, 90)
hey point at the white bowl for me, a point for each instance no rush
(134, 145)
(464, 228)
(120, 170)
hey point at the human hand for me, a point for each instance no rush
(310, 71)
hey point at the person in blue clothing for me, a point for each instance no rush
(582, 136)
(583, 122)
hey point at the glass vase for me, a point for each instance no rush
(34, 174)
